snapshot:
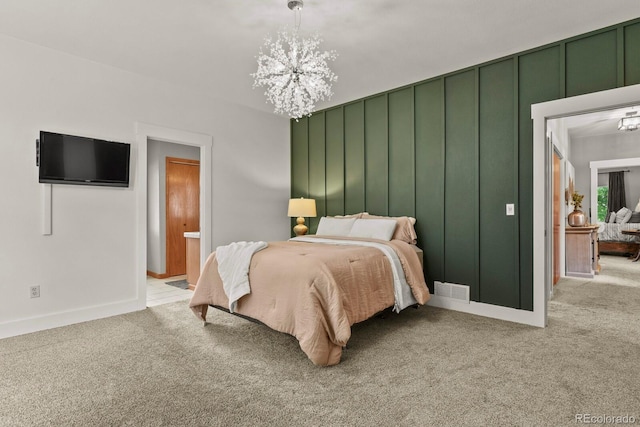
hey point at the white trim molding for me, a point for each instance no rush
(65, 318)
(144, 132)
(487, 310)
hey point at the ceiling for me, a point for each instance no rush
(598, 122)
(210, 45)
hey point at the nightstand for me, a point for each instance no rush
(582, 253)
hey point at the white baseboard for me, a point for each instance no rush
(489, 310)
(56, 320)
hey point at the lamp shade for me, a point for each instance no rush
(302, 207)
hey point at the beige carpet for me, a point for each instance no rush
(161, 367)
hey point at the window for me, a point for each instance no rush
(603, 198)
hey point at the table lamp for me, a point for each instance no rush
(301, 208)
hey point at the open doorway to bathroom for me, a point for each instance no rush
(173, 208)
(146, 134)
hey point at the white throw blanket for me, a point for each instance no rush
(233, 267)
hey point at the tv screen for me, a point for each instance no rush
(67, 159)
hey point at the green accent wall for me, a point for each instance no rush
(376, 159)
(631, 54)
(452, 151)
(429, 169)
(461, 181)
(354, 158)
(498, 185)
(335, 174)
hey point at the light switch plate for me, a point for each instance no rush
(510, 209)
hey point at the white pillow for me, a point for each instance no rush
(381, 229)
(623, 215)
(612, 218)
(335, 226)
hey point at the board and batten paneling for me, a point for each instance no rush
(586, 72)
(632, 54)
(538, 81)
(452, 151)
(334, 177)
(461, 182)
(376, 157)
(354, 157)
(429, 170)
(317, 167)
(402, 178)
(498, 184)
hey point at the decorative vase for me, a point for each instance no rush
(577, 218)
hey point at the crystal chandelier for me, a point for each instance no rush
(294, 72)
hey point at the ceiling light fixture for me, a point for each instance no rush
(630, 122)
(295, 73)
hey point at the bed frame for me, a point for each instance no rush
(617, 248)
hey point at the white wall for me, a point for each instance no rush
(621, 145)
(87, 267)
(557, 128)
(157, 152)
(557, 131)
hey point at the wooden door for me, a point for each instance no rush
(557, 200)
(183, 210)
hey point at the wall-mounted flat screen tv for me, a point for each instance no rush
(68, 159)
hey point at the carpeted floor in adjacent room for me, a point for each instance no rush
(161, 367)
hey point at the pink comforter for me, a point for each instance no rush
(315, 291)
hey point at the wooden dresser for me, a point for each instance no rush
(193, 258)
(582, 251)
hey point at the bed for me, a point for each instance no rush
(611, 240)
(316, 287)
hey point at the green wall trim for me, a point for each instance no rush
(632, 54)
(620, 56)
(334, 177)
(452, 151)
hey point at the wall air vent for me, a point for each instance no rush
(453, 291)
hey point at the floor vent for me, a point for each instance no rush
(451, 290)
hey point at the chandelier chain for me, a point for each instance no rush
(297, 19)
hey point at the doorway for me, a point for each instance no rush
(173, 205)
(182, 210)
(147, 229)
(542, 196)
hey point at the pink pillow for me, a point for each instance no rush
(357, 216)
(404, 230)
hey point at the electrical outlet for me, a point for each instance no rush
(34, 291)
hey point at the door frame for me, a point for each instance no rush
(558, 234)
(540, 113)
(144, 132)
